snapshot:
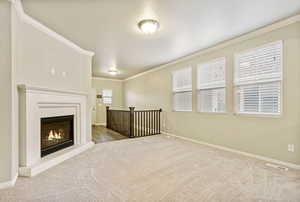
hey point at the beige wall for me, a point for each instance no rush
(268, 137)
(117, 100)
(5, 94)
(35, 53)
(39, 53)
(44, 58)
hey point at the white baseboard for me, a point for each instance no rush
(8, 184)
(290, 165)
(54, 159)
(99, 124)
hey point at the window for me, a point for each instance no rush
(182, 90)
(211, 86)
(107, 96)
(258, 77)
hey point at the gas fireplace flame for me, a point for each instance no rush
(54, 135)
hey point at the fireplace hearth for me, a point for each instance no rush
(56, 133)
(51, 120)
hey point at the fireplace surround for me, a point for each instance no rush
(62, 117)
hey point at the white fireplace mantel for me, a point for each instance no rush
(37, 103)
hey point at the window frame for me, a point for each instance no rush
(174, 92)
(281, 84)
(111, 97)
(198, 90)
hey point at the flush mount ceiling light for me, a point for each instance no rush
(148, 26)
(113, 72)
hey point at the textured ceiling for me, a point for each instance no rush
(109, 27)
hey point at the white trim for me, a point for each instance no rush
(277, 25)
(259, 115)
(290, 165)
(54, 159)
(8, 184)
(27, 88)
(39, 26)
(37, 104)
(99, 124)
(106, 79)
(235, 40)
(15, 107)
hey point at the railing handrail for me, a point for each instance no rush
(148, 110)
(134, 123)
(118, 110)
(124, 110)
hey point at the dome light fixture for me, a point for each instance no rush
(113, 72)
(148, 26)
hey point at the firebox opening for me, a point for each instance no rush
(56, 133)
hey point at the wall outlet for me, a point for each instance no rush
(291, 147)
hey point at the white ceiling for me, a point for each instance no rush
(109, 27)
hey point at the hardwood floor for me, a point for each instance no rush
(102, 134)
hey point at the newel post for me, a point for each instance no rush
(107, 117)
(131, 121)
(160, 110)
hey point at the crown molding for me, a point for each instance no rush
(260, 31)
(238, 39)
(17, 5)
(106, 79)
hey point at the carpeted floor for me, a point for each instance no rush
(158, 168)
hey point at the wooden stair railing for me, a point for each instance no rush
(133, 123)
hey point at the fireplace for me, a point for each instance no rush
(56, 133)
(40, 135)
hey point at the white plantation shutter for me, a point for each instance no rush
(211, 100)
(182, 80)
(258, 76)
(107, 96)
(182, 90)
(259, 98)
(183, 101)
(211, 86)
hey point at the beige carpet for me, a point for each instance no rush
(154, 169)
